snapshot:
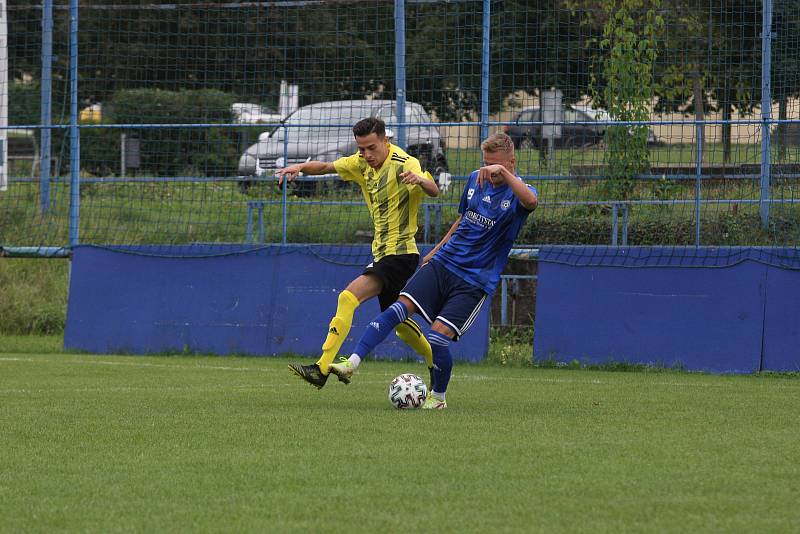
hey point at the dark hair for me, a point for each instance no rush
(364, 127)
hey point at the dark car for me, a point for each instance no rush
(574, 134)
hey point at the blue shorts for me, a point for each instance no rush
(440, 294)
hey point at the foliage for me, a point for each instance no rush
(33, 296)
(524, 38)
(25, 98)
(510, 347)
(204, 151)
(346, 50)
(630, 34)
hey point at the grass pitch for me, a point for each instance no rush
(120, 443)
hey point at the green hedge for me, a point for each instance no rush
(170, 151)
(723, 229)
(164, 152)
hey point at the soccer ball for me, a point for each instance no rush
(407, 391)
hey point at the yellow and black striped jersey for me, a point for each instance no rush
(392, 204)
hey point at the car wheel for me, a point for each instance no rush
(526, 143)
(441, 165)
(244, 186)
(423, 154)
(304, 189)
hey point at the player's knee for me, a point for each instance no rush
(409, 306)
(443, 329)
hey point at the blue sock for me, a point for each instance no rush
(442, 360)
(380, 327)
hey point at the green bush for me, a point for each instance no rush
(653, 229)
(166, 151)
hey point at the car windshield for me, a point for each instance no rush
(310, 116)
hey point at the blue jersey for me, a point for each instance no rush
(491, 218)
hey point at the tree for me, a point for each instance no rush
(785, 64)
(713, 61)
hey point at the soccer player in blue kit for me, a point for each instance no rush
(463, 269)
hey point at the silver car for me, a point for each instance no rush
(323, 132)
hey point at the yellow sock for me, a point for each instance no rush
(338, 329)
(409, 332)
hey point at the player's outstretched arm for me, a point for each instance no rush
(441, 243)
(426, 184)
(307, 167)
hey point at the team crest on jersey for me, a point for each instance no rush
(470, 192)
(504, 205)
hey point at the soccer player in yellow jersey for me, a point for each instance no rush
(393, 185)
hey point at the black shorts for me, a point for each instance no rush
(394, 272)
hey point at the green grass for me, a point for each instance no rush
(33, 296)
(31, 344)
(118, 443)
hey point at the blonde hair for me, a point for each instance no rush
(498, 142)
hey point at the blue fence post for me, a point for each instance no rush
(46, 116)
(766, 109)
(285, 210)
(698, 170)
(503, 300)
(400, 70)
(625, 225)
(485, 70)
(74, 134)
(614, 224)
(261, 233)
(249, 230)
(437, 221)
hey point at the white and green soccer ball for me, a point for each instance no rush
(407, 392)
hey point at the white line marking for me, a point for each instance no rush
(788, 384)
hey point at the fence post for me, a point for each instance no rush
(400, 69)
(285, 210)
(698, 170)
(46, 115)
(503, 300)
(766, 108)
(74, 134)
(625, 224)
(614, 223)
(485, 70)
(5, 86)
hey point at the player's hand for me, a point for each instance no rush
(412, 178)
(290, 173)
(491, 173)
